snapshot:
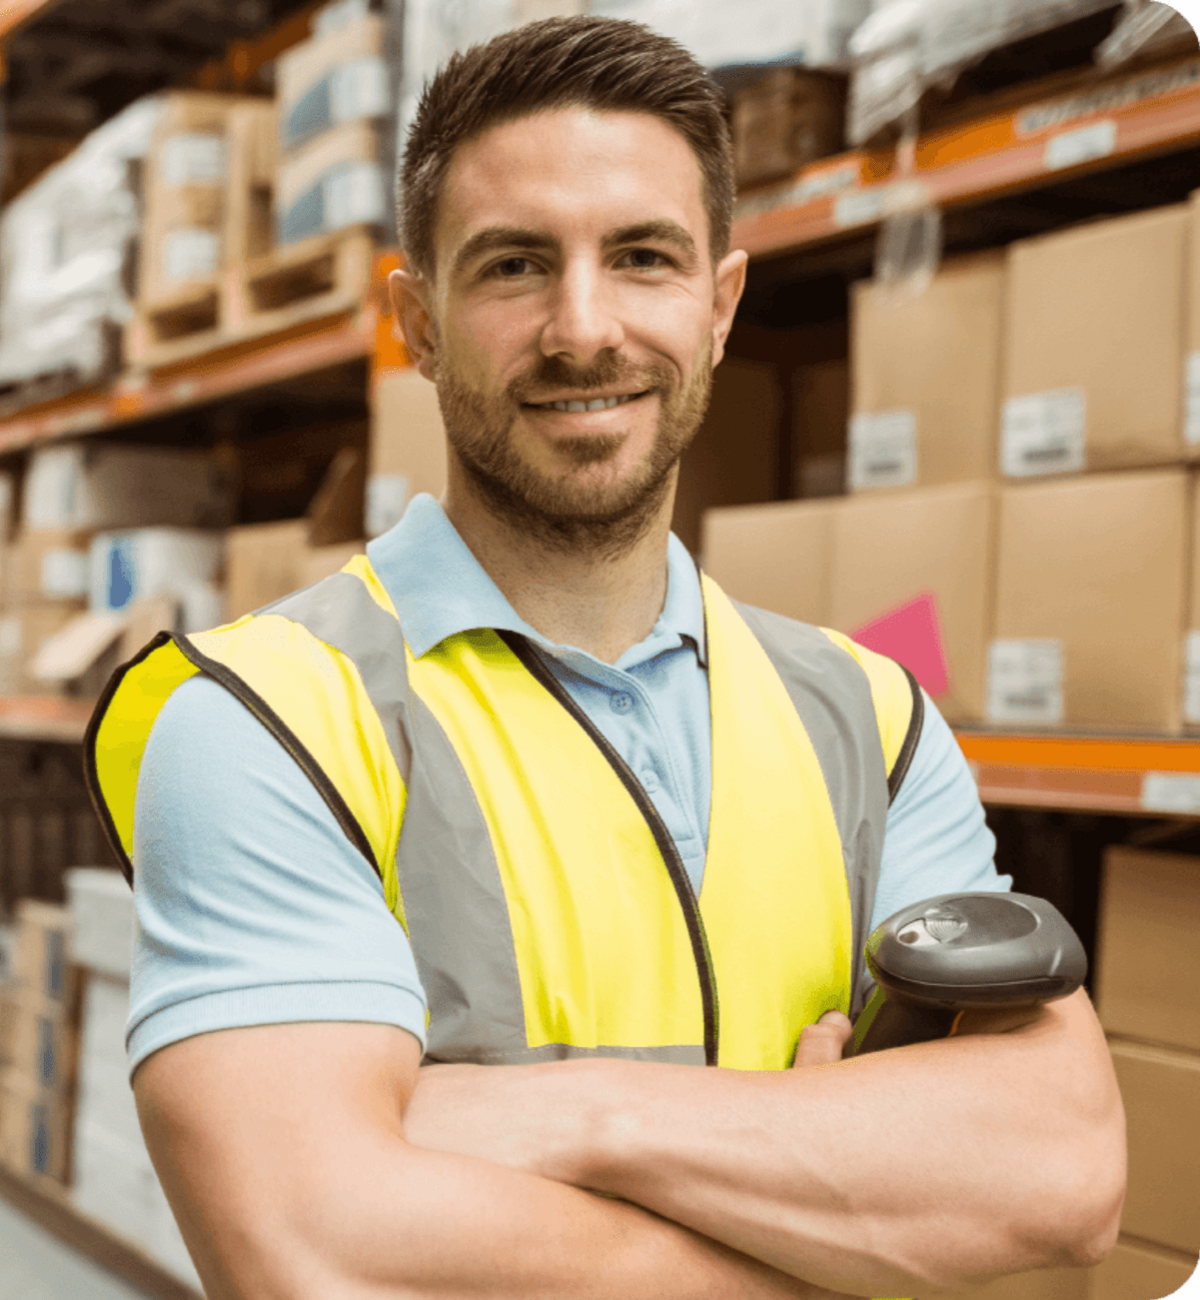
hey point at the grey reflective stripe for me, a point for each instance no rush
(456, 906)
(677, 1054)
(832, 695)
(340, 612)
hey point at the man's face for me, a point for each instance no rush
(573, 269)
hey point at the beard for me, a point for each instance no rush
(560, 512)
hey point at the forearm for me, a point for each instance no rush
(916, 1169)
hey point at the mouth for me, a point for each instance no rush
(577, 406)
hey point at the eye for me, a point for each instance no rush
(510, 268)
(646, 259)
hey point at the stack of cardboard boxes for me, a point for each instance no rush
(39, 1038)
(1020, 524)
(112, 1180)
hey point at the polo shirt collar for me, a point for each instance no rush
(440, 589)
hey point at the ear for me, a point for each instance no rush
(730, 281)
(410, 296)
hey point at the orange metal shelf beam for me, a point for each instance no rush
(1093, 774)
(44, 717)
(1093, 127)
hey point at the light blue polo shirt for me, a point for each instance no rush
(253, 907)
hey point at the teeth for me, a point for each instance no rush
(599, 404)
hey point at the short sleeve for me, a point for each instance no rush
(252, 905)
(937, 840)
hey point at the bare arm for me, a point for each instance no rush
(916, 1170)
(283, 1154)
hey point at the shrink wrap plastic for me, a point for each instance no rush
(66, 248)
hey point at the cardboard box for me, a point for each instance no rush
(1191, 373)
(8, 1022)
(1136, 1271)
(407, 447)
(129, 566)
(334, 78)
(1094, 345)
(261, 564)
(45, 1045)
(735, 457)
(1148, 960)
(1191, 656)
(1091, 579)
(775, 556)
(317, 562)
(42, 967)
(88, 486)
(1161, 1092)
(47, 565)
(35, 1129)
(917, 569)
(101, 905)
(23, 632)
(339, 180)
(789, 118)
(925, 375)
(820, 399)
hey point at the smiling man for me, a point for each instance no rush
(501, 899)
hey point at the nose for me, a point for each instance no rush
(584, 318)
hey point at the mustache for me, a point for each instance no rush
(609, 368)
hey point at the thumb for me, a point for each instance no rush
(822, 1043)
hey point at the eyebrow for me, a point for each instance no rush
(494, 239)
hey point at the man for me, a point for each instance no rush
(627, 828)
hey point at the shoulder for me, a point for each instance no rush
(833, 662)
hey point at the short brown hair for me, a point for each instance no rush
(597, 63)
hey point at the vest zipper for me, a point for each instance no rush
(528, 656)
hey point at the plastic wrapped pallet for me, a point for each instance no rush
(908, 46)
(65, 248)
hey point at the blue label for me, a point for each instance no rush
(121, 575)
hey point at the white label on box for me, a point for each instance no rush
(1191, 426)
(65, 574)
(860, 208)
(1171, 792)
(354, 194)
(387, 500)
(10, 637)
(1025, 682)
(1043, 433)
(358, 89)
(1071, 148)
(194, 159)
(190, 254)
(883, 450)
(1191, 678)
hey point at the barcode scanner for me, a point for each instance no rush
(964, 952)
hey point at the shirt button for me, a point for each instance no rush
(621, 702)
(649, 780)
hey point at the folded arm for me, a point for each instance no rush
(920, 1169)
(283, 1154)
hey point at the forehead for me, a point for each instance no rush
(571, 172)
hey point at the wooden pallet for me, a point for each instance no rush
(316, 277)
(176, 329)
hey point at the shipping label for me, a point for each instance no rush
(1191, 678)
(193, 158)
(1171, 792)
(883, 450)
(358, 90)
(355, 194)
(1071, 148)
(1191, 379)
(1043, 433)
(1025, 681)
(65, 573)
(190, 254)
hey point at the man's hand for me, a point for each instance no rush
(824, 1042)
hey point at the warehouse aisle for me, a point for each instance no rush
(36, 1266)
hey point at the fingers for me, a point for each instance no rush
(822, 1043)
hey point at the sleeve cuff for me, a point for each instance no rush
(277, 1004)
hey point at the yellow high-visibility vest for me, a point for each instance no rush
(546, 904)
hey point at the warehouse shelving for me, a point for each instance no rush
(1095, 125)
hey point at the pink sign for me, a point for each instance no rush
(911, 634)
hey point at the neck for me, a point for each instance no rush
(583, 596)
